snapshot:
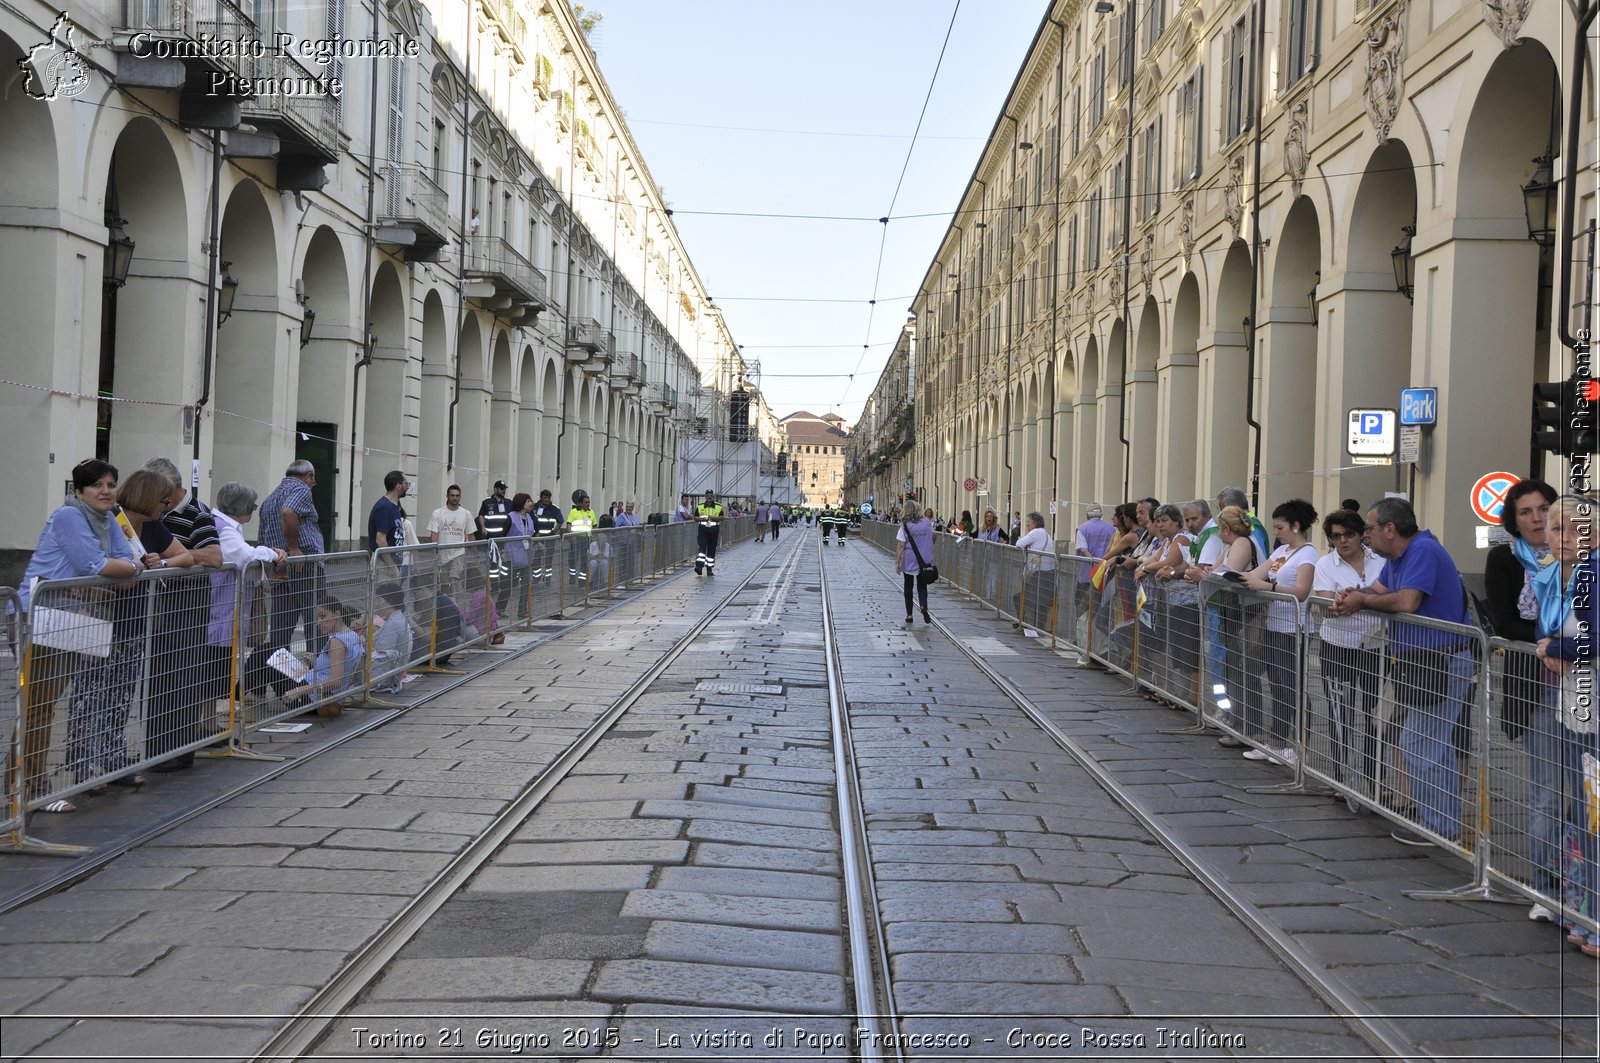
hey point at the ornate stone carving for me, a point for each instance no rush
(1233, 195)
(1297, 145)
(1186, 228)
(1386, 81)
(1114, 287)
(1147, 263)
(1505, 18)
(991, 378)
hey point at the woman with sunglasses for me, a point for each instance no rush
(1350, 649)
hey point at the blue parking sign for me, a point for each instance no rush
(1419, 406)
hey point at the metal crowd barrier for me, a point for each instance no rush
(109, 678)
(1465, 740)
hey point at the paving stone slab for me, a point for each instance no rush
(179, 1038)
(982, 939)
(719, 986)
(767, 857)
(486, 978)
(599, 852)
(742, 833)
(714, 943)
(724, 809)
(776, 912)
(979, 997)
(748, 882)
(990, 967)
(140, 997)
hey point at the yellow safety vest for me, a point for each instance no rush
(582, 520)
(713, 510)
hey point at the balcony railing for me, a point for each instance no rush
(308, 124)
(626, 374)
(589, 341)
(411, 199)
(515, 26)
(492, 258)
(210, 21)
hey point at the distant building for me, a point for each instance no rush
(816, 450)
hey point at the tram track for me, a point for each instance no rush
(103, 855)
(871, 985)
(316, 1017)
(1380, 1034)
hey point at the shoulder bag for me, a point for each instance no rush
(926, 574)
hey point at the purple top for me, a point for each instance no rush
(921, 534)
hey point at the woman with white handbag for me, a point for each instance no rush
(80, 539)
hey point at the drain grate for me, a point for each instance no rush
(712, 686)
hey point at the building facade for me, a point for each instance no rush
(377, 235)
(816, 448)
(1175, 265)
(886, 430)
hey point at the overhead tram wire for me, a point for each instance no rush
(877, 272)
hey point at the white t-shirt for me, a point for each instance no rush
(1283, 569)
(451, 526)
(1041, 550)
(1211, 552)
(1335, 574)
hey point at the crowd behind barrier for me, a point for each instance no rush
(109, 678)
(1436, 727)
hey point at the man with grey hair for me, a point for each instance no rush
(289, 522)
(177, 677)
(1038, 592)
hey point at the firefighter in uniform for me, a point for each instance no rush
(825, 522)
(841, 521)
(708, 515)
(581, 522)
(546, 525)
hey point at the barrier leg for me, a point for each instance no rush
(39, 698)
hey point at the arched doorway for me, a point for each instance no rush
(144, 350)
(250, 422)
(383, 444)
(550, 430)
(1089, 483)
(1178, 460)
(1364, 324)
(324, 407)
(1224, 445)
(1288, 336)
(472, 411)
(502, 413)
(432, 444)
(1144, 401)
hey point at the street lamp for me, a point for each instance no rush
(228, 287)
(1539, 202)
(1404, 280)
(308, 316)
(119, 253)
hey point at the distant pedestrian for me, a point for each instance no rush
(774, 518)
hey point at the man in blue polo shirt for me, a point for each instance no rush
(1432, 668)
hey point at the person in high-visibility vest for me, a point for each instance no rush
(547, 522)
(709, 516)
(581, 521)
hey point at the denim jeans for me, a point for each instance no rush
(1427, 744)
(1555, 779)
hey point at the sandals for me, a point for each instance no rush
(59, 805)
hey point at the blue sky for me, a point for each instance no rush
(767, 109)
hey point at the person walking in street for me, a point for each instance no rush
(289, 522)
(709, 515)
(913, 551)
(761, 521)
(1432, 670)
(774, 518)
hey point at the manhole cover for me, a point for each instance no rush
(712, 686)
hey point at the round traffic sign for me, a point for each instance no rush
(1489, 495)
(866, 509)
(970, 484)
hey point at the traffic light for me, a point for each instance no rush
(1565, 416)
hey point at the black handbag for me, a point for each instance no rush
(927, 574)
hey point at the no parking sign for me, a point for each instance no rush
(1489, 495)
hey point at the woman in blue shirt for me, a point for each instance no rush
(79, 539)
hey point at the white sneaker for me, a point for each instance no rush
(1540, 914)
(1288, 755)
(1257, 754)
